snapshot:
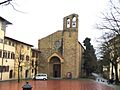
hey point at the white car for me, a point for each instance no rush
(40, 76)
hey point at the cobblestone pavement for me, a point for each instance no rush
(55, 85)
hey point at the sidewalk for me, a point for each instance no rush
(117, 87)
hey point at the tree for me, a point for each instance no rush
(9, 2)
(19, 60)
(6, 2)
(110, 25)
(89, 57)
(104, 60)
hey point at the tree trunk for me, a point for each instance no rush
(18, 72)
(116, 74)
(112, 72)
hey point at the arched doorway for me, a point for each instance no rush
(55, 67)
(11, 74)
(26, 74)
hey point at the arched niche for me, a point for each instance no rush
(68, 23)
(74, 21)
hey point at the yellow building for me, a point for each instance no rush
(17, 59)
(22, 60)
(61, 52)
(35, 61)
(6, 69)
(114, 55)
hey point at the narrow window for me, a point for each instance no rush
(74, 22)
(32, 70)
(3, 26)
(21, 57)
(0, 53)
(33, 54)
(13, 44)
(5, 42)
(27, 57)
(4, 54)
(10, 43)
(32, 63)
(36, 55)
(1, 40)
(27, 48)
(68, 23)
(12, 55)
(8, 55)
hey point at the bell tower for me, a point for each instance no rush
(70, 22)
(70, 43)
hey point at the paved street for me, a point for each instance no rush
(55, 85)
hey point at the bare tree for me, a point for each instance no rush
(110, 25)
(9, 2)
(6, 2)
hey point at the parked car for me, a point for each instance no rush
(40, 76)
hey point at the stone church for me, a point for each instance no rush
(61, 52)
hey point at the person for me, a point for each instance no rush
(69, 75)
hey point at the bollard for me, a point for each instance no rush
(27, 86)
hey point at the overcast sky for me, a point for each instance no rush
(44, 17)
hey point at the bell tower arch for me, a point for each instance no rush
(70, 22)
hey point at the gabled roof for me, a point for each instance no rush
(81, 45)
(18, 41)
(7, 22)
(51, 34)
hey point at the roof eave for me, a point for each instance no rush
(7, 22)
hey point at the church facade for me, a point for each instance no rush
(61, 52)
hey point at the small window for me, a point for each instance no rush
(32, 70)
(4, 68)
(13, 44)
(21, 57)
(1, 40)
(36, 55)
(33, 54)
(12, 55)
(27, 57)
(3, 27)
(0, 68)
(68, 23)
(22, 46)
(10, 43)
(7, 68)
(5, 42)
(8, 55)
(74, 22)
(0, 53)
(27, 48)
(5, 54)
(32, 63)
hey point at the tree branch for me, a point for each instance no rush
(7, 1)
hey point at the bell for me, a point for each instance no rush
(68, 22)
(74, 23)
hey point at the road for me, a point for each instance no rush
(55, 85)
